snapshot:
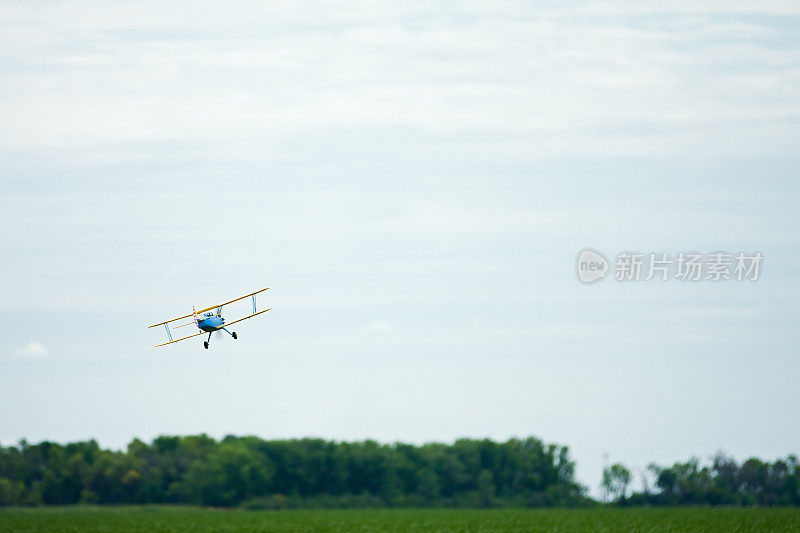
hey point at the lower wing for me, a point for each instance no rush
(239, 320)
(222, 326)
(181, 339)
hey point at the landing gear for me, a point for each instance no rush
(205, 344)
(233, 334)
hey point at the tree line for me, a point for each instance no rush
(263, 474)
(721, 482)
(256, 473)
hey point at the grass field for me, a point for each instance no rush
(180, 519)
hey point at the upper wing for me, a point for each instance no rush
(170, 320)
(229, 302)
(182, 338)
(207, 309)
(243, 318)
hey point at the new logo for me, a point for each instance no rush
(591, 266)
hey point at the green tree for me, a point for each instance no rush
(486, 488)
(616, 479)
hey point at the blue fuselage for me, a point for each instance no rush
(210, 323)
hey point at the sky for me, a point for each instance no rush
(413, 182)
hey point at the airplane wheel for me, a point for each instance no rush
(235, 336)
(205, 345)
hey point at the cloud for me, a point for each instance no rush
(523, 80)
(33, 349)
(379, 326)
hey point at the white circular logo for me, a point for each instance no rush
(591, 266)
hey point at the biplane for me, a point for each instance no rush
(209, 320)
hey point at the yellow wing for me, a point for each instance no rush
(181, 339)
(170, 320)
(219, 328)
(243, 318)
(228, 302)
(208, 309)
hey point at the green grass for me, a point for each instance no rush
(188, 519)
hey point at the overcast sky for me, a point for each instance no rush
(413, 182)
